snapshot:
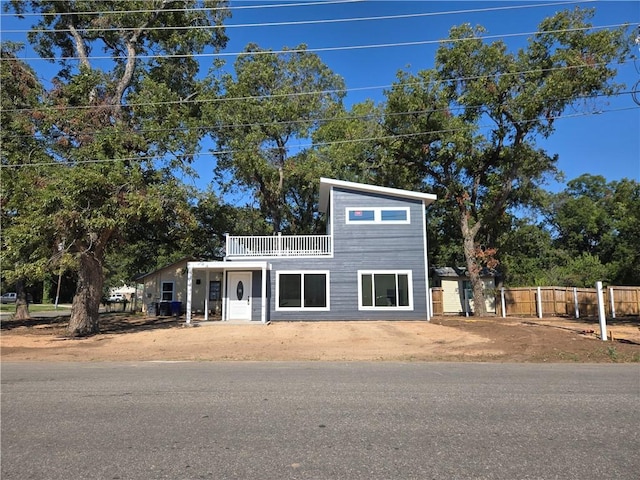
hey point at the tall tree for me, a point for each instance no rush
(24, 257)
(272, 102)
(482, 171)
(118, 129)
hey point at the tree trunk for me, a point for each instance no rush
(85, 315)
(473, 269)
(22, 303)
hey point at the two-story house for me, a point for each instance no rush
(371, 264)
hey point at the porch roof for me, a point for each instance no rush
(230, 265)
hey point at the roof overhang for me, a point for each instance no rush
(326, 184)
(166, 267)
(237, 265)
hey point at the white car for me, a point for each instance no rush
(116, 297)
(9, 297)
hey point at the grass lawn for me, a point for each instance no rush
(34, 307)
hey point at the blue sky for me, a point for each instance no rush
(605, 144)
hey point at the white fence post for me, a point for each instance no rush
(576, 306)
(603, 320)
(466, 302)
(502, 303)
(539, 303)
(613, 303)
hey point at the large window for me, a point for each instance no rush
(308, 290)
(390, 215)
(385, 290)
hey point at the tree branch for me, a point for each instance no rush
(129, 68)
(81, 48)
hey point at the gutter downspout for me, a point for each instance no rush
(426, 264)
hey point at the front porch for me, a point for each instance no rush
(278, 246)
(233, 298)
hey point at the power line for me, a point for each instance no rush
(194, 9)
(325, 49)
(99, 133)
(320, 92)
(292, 147)
(297, 22)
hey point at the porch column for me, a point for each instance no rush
(263, 310)
(206, 296)
(224, 296)
(189, 285)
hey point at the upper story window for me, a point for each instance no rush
(389, 215)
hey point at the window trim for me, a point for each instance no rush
(408, 273)
(302, 274)
(162, 290)
(377, 215)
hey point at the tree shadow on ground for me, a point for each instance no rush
(110, 323)
(35, 322)
(127, 323)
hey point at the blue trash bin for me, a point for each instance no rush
(176, 308)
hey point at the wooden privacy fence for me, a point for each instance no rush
(557, 301)
(436, 301)
(567, 301)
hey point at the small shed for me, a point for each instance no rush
(457, 295)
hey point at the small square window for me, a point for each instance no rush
(167, 291)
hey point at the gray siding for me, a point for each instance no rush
(362, 247)
(256, 295)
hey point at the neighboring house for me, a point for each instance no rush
(371, 265)
(457, 294)
(126, 291)
(165, 286)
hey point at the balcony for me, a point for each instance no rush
(278, 246)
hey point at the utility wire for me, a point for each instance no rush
(325, 49)
(317, 92)
(289, 23)
(100, 133)
(297, 147)
(194, 9)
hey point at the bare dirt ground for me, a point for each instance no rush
(126, 337)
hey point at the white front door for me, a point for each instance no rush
(239, 295)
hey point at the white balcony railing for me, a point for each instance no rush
(279, 246)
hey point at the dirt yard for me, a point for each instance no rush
(138, 338)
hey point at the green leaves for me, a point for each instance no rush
(468, 128)
(273, 102)
(114, 132)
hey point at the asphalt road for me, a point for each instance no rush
(320, 421)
